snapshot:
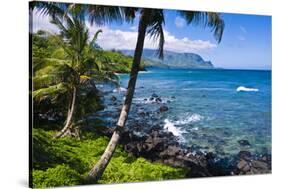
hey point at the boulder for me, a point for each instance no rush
(113, 98)
(142, 114)
(163, 108)
(158, 99)
(154, 95)
(259, 165)
(243, 166)
(171, 151)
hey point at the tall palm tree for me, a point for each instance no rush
(151, 22)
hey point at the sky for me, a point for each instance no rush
(246, 41)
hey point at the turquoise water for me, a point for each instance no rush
(211, 109)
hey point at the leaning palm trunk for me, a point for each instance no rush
(97, 171)
(69, 116)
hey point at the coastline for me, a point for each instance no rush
(146, 137)
(163, 147)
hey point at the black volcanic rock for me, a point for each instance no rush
(163, 108)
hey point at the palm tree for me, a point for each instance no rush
(73, 38)
(151, 22)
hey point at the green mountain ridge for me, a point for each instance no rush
(172, 59)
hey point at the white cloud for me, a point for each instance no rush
(179, 22)
(119, 39)
(185, 44)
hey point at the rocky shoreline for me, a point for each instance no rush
(153, 142)
(162, 147)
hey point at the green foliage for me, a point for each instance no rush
(51, 92)
(61, 175)
(115, 61)
(55, 72)
(58, 54)
(43, 45)
(54, 78)
(52, 83)
(67, 161)
(41, 63)
(88, 102)
(129, 169)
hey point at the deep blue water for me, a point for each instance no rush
(207, 109)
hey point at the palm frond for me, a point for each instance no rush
(54, 74)
(95, 38)
(206, 19)
(129, 13)
(155, 30)
(49, 8)
(101, 15)
(51, 92)
(74, 34)
(39, 63)
(84, 79)
(89, 65)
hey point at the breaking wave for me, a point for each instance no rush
(188, 118)
(170, 126)
(242, 88)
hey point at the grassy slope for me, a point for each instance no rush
(66, 162)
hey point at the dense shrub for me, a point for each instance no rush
(61, 175)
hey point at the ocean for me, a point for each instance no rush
(217, 110)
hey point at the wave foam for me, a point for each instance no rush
(145, 72)
(189, 118)
(119, 89)
(242, 88)
(169, 125)
(164, 100)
